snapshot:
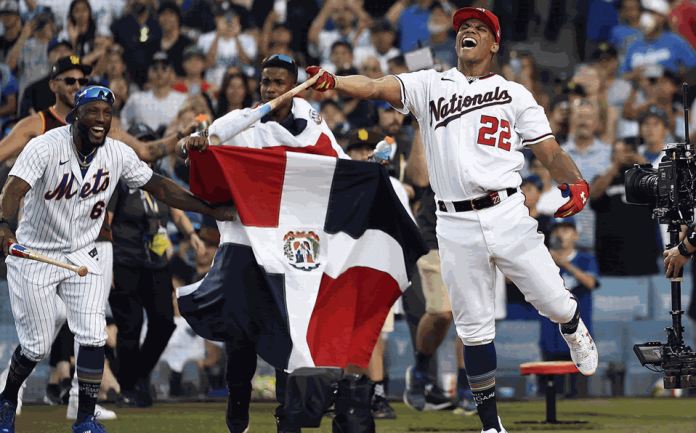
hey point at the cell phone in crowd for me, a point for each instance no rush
(422, 58)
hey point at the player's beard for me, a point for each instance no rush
(68, 101)
(83, 131)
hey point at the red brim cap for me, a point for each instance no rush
(482, 14)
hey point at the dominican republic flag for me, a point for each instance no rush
(320, 252)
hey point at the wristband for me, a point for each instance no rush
(691, 235)
(682, 250)
(179, 135)
(335, 82)
(183, 148)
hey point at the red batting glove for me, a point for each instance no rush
(327, 81)
(579, 193)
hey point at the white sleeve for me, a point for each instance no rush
(402, 194)
(414, 92)
(249, 45)
(135, 172)
(127, 113)
(32, 162)
(531, 122)
(234, 122)
(205, 42)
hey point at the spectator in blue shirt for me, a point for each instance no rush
(412, 22)
(602, 16)
(580, 273)
(658, 45)
(628, 31)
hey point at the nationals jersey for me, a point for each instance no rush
(63, 210)
(472, 132)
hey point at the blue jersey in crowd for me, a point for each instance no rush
(551, 339)
(413, 26)
(602, 16)
(669, 50)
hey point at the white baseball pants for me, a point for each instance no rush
(473, 243)
(33, 289)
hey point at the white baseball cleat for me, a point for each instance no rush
(101, 413)
(3, 381)
(492, 430)
(583, 349)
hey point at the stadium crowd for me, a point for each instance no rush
(607, 72)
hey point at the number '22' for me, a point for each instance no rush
(489, 127)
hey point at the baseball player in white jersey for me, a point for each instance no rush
(66, 177)
(473, 124)
(294, 124)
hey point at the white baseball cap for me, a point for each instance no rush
(658, 6)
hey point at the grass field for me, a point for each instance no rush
(607, 416)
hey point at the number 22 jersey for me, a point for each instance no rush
(472, 132)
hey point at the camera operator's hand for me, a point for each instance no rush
(674, 261)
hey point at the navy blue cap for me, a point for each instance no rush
(383, 105)
(90, 94)
(570, 221)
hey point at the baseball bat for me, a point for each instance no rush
(25, 253)
(242, 123)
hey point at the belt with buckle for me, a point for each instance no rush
(484, 202)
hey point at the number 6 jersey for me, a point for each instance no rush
(472, 132)
(64, 210)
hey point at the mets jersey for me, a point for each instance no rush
(472, 131)
(63, 210)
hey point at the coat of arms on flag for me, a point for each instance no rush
(339, 222)
(302, 250)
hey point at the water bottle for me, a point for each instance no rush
(383, 150)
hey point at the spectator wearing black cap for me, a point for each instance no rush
(139, 33)
(12, 22)
(391, 122)
(142, 281)
(194, 65)
(38, 95)
(382, 38)
(173, 41)
(158, 106)
(227, 46)
(29, 55)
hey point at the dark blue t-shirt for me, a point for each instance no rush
(602, 16)
(551, 340)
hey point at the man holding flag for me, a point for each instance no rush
(323, 249)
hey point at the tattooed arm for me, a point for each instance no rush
(153, 150)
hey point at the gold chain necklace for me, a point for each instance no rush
(81, 159)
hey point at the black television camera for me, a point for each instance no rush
(671, 190)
